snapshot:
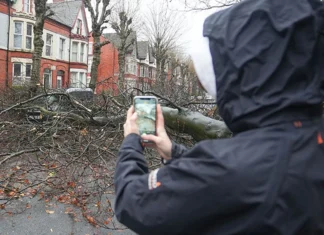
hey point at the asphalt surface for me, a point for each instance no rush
(47, 218)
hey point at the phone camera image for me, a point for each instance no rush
(146, 115)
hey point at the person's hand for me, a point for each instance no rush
(130, 125)
(162, 142)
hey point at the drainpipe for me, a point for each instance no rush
(69, 72)
(8, 35)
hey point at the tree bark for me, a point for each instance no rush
(95, 61)
(98, 20)
(40, 11)
(195, 124)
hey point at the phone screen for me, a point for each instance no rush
(146, 115)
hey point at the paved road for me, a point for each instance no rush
(35, 220)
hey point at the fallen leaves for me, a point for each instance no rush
(49, 212)
(91, 220)
(71, 184)
(84, 132)
(108, 221)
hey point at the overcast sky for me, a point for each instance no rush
(191, 18)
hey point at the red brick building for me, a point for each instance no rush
(65, 35)
(107, 69)
(140, 66)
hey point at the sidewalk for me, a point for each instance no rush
(41, 218)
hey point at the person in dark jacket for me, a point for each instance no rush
(264, 62)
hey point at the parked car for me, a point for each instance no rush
(60, 103)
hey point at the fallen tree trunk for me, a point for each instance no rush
(195, 124)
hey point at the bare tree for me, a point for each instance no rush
(123, 21)
(163, 27)
(202, 5)
(99, 14)
(42, 11)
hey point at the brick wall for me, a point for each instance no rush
(108, 68)
(3, 55)
(57, 28)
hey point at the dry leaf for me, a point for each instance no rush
(49, 212)
(91, 220)
(84, 132)
(28, 217)
(2, 206)
(28, 206)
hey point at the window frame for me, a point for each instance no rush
(18, 35)
(50, 73)
(14, 70)
(82, 49)
(76, 53)
(49, 45)
(26, 6)
(61, 50)
(79, 27)
(29, 36)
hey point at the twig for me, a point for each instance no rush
(29, 100)
(19, 153)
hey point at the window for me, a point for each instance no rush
(74, 79)
(49, 42)
(79, 26)
(82, 81)
(82, 53)
(90, 48)
(28, 72)
(29, 36)
(59, 79)
(18, 34)
(142, 71)
(61, 48)
(74, 51)
(17, 72)
(27, 6)
(21, 73)
(47, 78)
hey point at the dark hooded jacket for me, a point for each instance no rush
(268, 58)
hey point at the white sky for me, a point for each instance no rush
(191, 18)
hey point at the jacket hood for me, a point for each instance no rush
(264, 61)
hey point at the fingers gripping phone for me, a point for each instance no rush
(145, 107)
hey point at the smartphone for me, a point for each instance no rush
(145, 107)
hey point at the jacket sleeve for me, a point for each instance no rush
(166, 200)
(177, 150)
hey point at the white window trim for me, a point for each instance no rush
(62, 57)
(23, 72)
(77, 52)
(50, 45)
(27, 6)
(50, 80)
(21, 34)
(82, 60)
(78, 83)
(29, 36)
